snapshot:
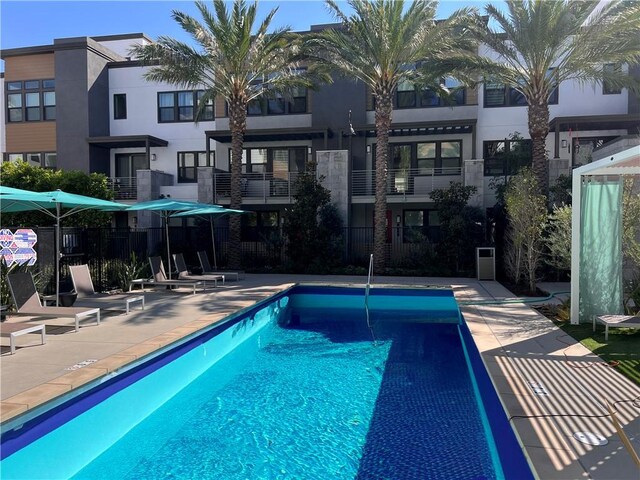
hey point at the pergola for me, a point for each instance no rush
(596, 239)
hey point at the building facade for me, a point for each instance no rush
(82, 103)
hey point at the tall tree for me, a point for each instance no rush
(236, 58)
(383, 44)
(541, 43)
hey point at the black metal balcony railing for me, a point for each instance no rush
(124, 188)
(408, 181)
(258, 185)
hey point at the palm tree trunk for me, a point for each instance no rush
(237, 125)
(538, 130)
(383, 124)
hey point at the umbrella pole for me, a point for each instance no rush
(213, 244)
(57, 254)
(166, 226)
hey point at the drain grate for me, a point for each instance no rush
(82, 364)
(538, 388)
(590, 438)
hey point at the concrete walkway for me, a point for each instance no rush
(518, 346)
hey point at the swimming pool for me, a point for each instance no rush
(292, 388)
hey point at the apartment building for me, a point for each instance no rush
(82, 103)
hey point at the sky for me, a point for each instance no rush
(27, 23)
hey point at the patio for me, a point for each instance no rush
(518, 346)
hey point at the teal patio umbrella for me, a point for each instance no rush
(52, 203)
(209, 213)
(166, 207)
(14, 191)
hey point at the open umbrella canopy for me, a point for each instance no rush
(211, 210)
(52, 203)
(169, 205)
(57, 199)
(10, 190)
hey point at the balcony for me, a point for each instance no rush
(124, 188)
(270, 187)
(403, 184)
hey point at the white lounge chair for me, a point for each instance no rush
(160, 278)
(184, 274)
(208, 270)
(27, 301)
(87, 296)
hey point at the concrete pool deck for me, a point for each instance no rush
(517, 344)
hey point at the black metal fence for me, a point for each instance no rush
(106, 250)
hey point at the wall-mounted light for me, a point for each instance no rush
(153, 157)
(368, 148)
(309, 150)
(564, 144)
(398, 219)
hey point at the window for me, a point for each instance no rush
(275, 105)
(294, 102)
(120, 106)
(607, 88)
(279, 161)
(420, 225)
(49, 100)
(182, 106)
(32, 104)
(553, 96)
(498, 94)
(506, 157)
(31, 101)
(186, 104)
(50, 160)
(207, 114)
(33, 158)
(406, 95)
(188, 163)
(298, 103)
(14, 105)
(445, 156)
(494, 94)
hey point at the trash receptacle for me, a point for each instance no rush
(486, 263)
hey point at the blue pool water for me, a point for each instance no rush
(312, 399)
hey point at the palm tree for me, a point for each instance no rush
(236, 61)
(542, 43)
(382, 44)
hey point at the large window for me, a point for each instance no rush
(280, 160)
(425, 156)
(420, 225)
(607, 88)
(188, 163)
(506, 157)
(36, 159)
(293, 102)
(31, 101)
(409, 96)
(120, 106)
(498, 94)
(279, 104)
(182, 107)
